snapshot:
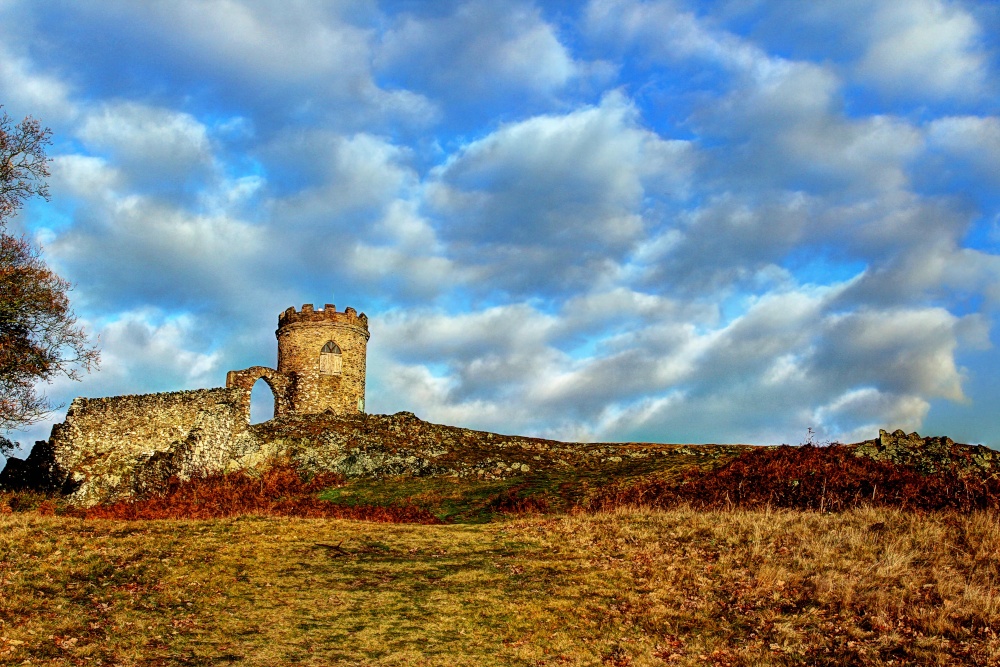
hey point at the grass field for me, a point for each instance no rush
(639, 587)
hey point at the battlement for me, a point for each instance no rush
(327, 314)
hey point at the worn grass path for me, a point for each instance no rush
(867, 587)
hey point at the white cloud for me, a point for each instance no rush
(972, 140)
(28, 87)
(155, 147)
(29, 92)
(347, 221)
(437, 337)
(967, 134)
(924, 49)
(353, 217)
(404, 273)
(781, 120)
(403, 256)
(858, 414)
(787, 131)
(726, 242)
(667, 32)
(140, 346)
(792, 361)
(918, 50)
(556, 199)
(331, 174)
(415, 389)
(310, 59)
(313, 40)
(468, 367)
(481, 49)
(129, 248)
(595, 313)
(84, 175)
(231, 194)
(906, 351)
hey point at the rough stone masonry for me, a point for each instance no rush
(115, 446)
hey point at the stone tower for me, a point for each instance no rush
(322, 353)
(321, 363)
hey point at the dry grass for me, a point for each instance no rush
(679, 587)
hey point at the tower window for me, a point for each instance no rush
(330, 359)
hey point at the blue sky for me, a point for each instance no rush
(718, 221)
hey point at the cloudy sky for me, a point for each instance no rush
(666, 220)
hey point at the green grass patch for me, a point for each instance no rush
(553, 488)
(450, 499)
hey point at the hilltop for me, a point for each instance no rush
(388, 452)
(462, 474)
(530, 551)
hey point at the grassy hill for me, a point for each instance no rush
(399, 542)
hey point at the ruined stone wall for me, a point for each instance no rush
(118, 446)
(301, 336)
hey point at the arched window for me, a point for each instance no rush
(330, 359)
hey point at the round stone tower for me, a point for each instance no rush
(323, 353)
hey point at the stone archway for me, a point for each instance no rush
(278, 382)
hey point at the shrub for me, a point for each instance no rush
(26, 501)
(815, 478)
(282, 490)
(511, 501)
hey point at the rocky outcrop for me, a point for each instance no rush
(402, 444)
(929, 455)
(38, 472)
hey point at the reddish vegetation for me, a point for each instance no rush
(816, 478)
(281, 491)
(512, 501)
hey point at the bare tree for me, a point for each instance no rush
(23, 163)
(39, 334)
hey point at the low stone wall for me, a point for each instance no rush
(123, 445)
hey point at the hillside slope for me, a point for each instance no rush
(463, 474)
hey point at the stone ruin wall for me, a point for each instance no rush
(116, 446)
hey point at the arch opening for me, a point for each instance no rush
(263, 402)
(330, 359)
